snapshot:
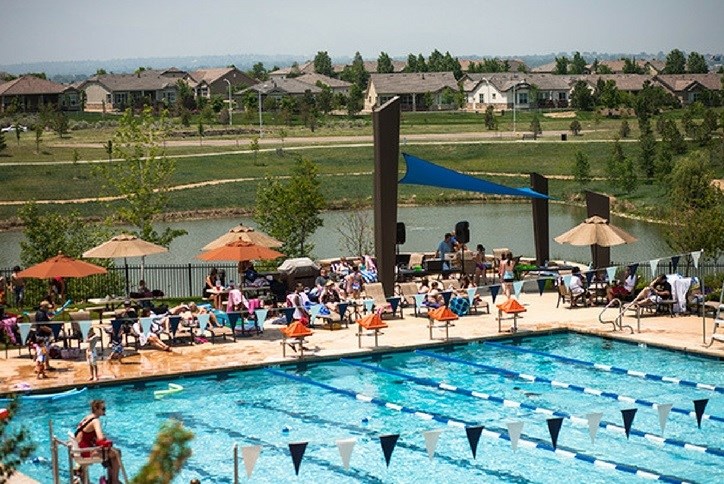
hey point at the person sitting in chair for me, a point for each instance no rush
(622, 291)
(152, 336)
(659, 290)
(330, 296)
(90, 434)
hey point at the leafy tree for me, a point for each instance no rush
(200, 129)
(384, 64)
(287, 108)
(289, 210)
(168, 455)
(324, 99)
(39, 128)
(630, 66)
(696, 64)
(411, 65)
(101, 72)
(3, 144)
(675, 62)
(356, 72)
(490, 122)
(259, 72)
(16, 125)
(578, 64)
(46, 233)
(581, 97)
(695, 204)
(60, 124)
(582, 169)
(355, 100)
(143, 174)
(561, 65)
(435, 62)
(323, 64)
(185, 98)
(421, 64)
(309, 112)
(575, 127)
(15, 446)
(625, 130)
(535, 126)
(603, 69)
(356, 232)
(608, 94)
(451, 63)
(671, 137)
(647, 145)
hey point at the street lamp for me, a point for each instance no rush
(261, 122)
(230, 110)
(514, 96)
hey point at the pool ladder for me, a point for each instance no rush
(617, 322)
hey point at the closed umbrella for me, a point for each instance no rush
(596, 230)
(240, 251)
(62, 266)
(246, 234)
(125, 245)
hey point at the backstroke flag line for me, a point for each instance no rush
(250, 454)
(345, 447)
(663, 409)
(514, 431)
(594, 419)
(431, 438)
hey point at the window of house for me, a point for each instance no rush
(108, 98)
(561, 96)
(120, 98)
(481, 99)
(494, 95)
(522, 98)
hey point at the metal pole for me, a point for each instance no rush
(703, 300)
(514, 86)
(230, 110)
(53, 453)
(261, 134)
(236, 463)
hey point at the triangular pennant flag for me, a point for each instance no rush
(473, 434)
(419, 299)
(85, 326)
(472, 291)
(589, 277)
(554, 427)
(342, 309)
(593, 420)
(695, 257)
(699, 406)
(628, 418)
(288, 314)
(368, 305)
(345, 450)
(514, 431)
(654, 263)
(517, 287)
(250, 454)
(314, 312)
(431, 438)
(261, 315)
(663, 409)
(24, 330)
(146, 325)
(446, 296)
(494, 290)
(297, 451)
(567, 281)
(388, 443)
(611, 273)
(394, 303)
(541, 286)
(633, 268)
(675, 262)
(203, 322)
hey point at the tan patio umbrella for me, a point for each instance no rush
(246, 234)
(125, 245)
(240, 251)
(596, 230)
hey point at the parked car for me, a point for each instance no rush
(11, 128)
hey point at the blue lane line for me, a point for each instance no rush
(610, 369)
(567, 386)
(512, 403)
(488, 432)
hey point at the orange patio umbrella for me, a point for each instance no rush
(240, 251)
(246, 234)
(62, 266)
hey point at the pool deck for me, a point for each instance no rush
(682, 333)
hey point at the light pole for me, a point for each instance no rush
(261, 134)
(514, 86)
(230, 110)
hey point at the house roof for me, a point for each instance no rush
(209, 76)
(550, 67)
(413, 82)
(313, 77)
(505, 81)
(148, 80)
(624, 82)
(29, 85)
(681, 82)
(283, 86)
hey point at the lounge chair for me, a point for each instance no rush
(565, 295)
(388, 305)
(407, 291)
(718, 321)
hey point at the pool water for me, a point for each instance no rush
(316, 404)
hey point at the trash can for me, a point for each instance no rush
(564, 136)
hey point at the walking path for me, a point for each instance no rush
(681, 333)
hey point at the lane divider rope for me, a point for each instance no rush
(609, 368)
(566, 386)
(529, 442)
(554, 413)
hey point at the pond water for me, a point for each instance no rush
(491, 224)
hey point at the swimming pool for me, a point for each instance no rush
(410, 393)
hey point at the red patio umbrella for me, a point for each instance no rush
(240, 250)
(62, 266)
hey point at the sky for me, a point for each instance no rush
(67, 30)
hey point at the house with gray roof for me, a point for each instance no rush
(500, 89)
(280, 88)
(119, 91)
(337, 86)
(412, 88)
(29, 93)
(217, 81)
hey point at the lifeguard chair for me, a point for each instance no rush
(512, 308)
(444, 315)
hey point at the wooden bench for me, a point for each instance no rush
(529, 136)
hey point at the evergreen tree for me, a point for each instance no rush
(535, 126)
(384, 64)
(3, 144)
(259, 72)
(490, 121)
(355, 100)
(578, 64)
(647, 155)
(435, 62)
(625, 129)
(323, 64)
(675, 62)
(581, 97)
(561, 65)
(696, 64)
(582, 169)
(411, 63)
(421, 64)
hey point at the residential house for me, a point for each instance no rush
(218, 81)
(337, 86)
(412, 88)
(630, 83)
(499, 89)
(279, 88)
(29, 93)
(687, 88)
(110, 92)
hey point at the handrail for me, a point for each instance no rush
(618, 320)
